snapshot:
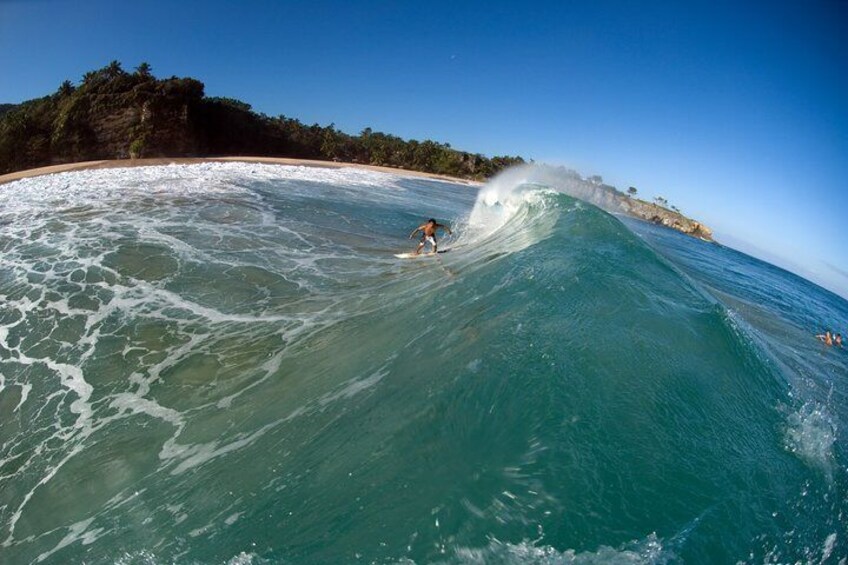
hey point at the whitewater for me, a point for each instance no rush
(225, 363)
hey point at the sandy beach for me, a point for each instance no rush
(121, 163)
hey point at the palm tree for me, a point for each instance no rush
(113, 69)
(66, 89)
(144, 70)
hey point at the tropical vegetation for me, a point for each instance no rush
(116, 114)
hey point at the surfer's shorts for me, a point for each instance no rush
(428, 239)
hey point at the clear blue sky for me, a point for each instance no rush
(737, 112)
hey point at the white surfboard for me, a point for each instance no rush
(416, 255)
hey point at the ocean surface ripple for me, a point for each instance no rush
(224, 363)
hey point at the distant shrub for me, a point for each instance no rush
(137, 148)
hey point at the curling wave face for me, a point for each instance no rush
(224, 363)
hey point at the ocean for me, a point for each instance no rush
(225, 363)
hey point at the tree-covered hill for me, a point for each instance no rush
(6, 108)
(114, 114)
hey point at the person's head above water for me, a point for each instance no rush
(431, 221)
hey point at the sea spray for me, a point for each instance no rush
(811, 434)
(506, 188)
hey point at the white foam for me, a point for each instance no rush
(137, 404)
(512, 212)
(76, 532)
(71, 292)
(647, 551)
(51, 472)
(25, 390)
(811, 434)
(71, 377)
(354, 387)
(502, 198)
(827, 547)
(199, 453)
(93, 187)
(244, 558)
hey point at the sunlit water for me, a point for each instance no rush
(224, 363)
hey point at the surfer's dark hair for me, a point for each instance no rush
(431, 220)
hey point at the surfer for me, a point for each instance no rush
(428, 234)
(838, 340)
(826, 338)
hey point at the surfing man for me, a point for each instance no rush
(428, 234)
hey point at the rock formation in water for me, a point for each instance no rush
(663, 216)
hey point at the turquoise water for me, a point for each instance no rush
(224, 363)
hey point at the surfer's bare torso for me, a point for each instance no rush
(428, 234)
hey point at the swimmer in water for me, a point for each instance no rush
(826, 338)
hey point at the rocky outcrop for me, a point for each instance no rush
(608, 198)
(612, 200)
(664, 217)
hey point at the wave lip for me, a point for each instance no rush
(504, 196)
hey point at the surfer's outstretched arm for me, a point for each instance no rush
(416, 230)
(444, 227)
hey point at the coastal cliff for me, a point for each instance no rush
(662, 216)
(609, 198)
(612, 200)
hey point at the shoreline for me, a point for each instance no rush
(158, 161)
(638, 209)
